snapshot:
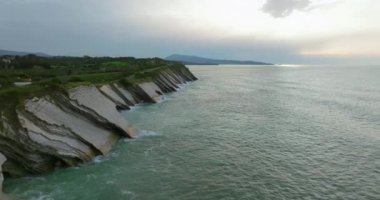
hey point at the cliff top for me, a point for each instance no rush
(23, 76)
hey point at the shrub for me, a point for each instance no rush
(75, 79)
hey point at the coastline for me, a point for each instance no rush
(67, 128)
(2, 160)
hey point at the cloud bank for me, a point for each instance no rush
(283, 8)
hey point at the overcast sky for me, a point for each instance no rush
(279, 31)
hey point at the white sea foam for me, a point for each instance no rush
(99, 159)
(135, 107)
(43, 197)
(38, 195)
(129, 194)
(162, 98)
(147, 133)
(168, 98)
(143, 134)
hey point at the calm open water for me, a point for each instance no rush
(240, 133)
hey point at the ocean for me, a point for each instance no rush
(239, 132)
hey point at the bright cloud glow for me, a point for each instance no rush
(312, 21)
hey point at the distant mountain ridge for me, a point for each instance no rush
(196, 60)
(21, 53)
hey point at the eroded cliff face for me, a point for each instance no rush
(2, 160)
(66, 128)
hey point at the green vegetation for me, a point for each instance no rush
(48, 74)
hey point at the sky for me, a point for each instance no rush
(277, 31)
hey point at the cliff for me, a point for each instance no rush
(2, 196)
(66, 127)
(2, 160)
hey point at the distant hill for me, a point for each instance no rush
(195, 60)
(20, 53)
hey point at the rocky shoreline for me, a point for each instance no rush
(66, 128)
(2, 160)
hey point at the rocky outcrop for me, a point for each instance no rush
(72, 126)
(125, 95)
(149, 91)
(2, 160)
(2, 196)
(101, 106)
(112, 94)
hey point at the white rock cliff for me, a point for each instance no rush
(70, 127)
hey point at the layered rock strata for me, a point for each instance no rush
(2, 160)
(66, 128)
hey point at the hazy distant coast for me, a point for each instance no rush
(196, 60)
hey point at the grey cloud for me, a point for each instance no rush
(283, 8)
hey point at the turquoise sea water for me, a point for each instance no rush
(240, 133)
